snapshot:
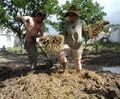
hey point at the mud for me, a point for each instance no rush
(17, 81)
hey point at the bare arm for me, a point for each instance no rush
(23, 18)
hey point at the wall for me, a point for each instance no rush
(7, 40)
(115, 36)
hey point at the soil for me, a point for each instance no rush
(17, 81)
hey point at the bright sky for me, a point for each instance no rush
(111, 7)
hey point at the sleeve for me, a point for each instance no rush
(84, 32)
(83, 25)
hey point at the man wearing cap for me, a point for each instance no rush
(34, 28)
(72, 31)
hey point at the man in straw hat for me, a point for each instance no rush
(34, 28)
(72, 31)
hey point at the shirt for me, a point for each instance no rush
(72, 32)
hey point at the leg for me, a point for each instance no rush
(63, 59)
(32, 53)
(77, 55)
(78, 65)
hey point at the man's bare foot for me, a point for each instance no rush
(78, 68)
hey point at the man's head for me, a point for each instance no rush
(72, 13)
(40, 15)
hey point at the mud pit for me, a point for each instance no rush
(17, 81)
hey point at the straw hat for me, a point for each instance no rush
(73, 10)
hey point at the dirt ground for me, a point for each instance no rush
(17, 81)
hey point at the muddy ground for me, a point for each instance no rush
(17, 81)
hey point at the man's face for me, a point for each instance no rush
(72, 17)
(39, 18)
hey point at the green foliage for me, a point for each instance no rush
(90, 12)
(9, 9)
(20, 3)
(115, 47)
(3, 16)
(100, 46)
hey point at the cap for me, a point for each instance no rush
(73, 10)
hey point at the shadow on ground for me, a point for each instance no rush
(106, 58)
(7, 72)
(9, 69)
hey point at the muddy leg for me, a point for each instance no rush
(78, 65)
(63, 60)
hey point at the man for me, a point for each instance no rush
(72, 31)
(34, 28)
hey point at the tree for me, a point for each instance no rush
(9, 9)
(89, 11)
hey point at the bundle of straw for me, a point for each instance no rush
(52, 43)
(94, 29)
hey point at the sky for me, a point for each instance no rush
(111, 7)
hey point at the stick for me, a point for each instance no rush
(44, 53)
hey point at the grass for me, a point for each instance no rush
(16, 50)
(115, 47)
(104, 46)
(12, 51)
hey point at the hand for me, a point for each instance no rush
(37, 39)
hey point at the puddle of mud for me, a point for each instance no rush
(113, 69)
